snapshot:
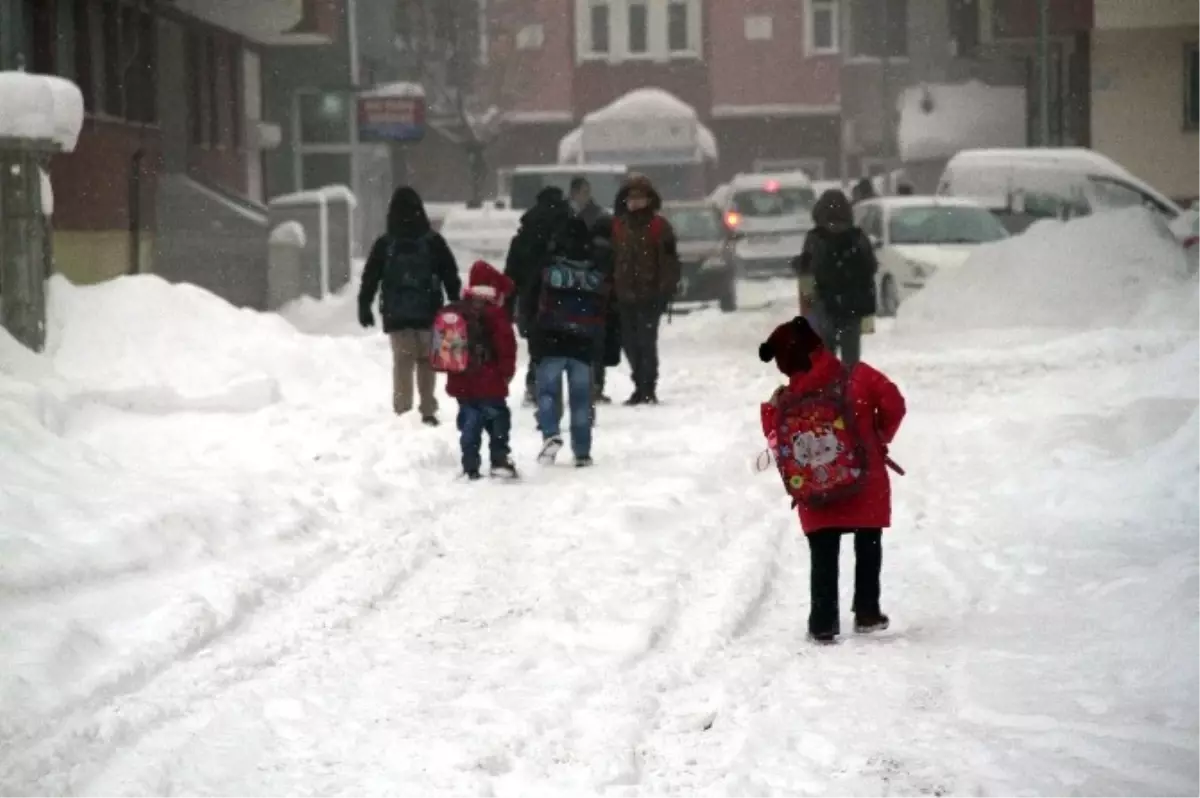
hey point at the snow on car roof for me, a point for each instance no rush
(916, 201)
(612, 168)
(756, 179)
(1069, 157)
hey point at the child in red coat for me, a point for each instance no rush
(877, 409)
(482, 391)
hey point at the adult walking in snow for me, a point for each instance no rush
(836, 270)
(582, 204)
(829, 429)
(646, 274)
(414, 272)
(864, 189)
(608, 351)
(531, 250)
(571, 316)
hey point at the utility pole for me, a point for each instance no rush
(1043, 70)
(887, 112)
(23, 239)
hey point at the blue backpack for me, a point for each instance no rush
(574, 298)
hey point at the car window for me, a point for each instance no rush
(943, 225)
(1112, 194)
(694, 224)
(781, 202)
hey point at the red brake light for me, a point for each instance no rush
(771, 186)
(733, 219)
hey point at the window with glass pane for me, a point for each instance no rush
(111, 33)
(1191, 103)
(876, 23)
(638, 33)
(64, 24)
(599, 28)
(677, 28)
(324, 118)
(823, 38)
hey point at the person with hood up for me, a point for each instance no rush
(414, 272)
(869, 412)
(863, 190)
(837, 269)
(482, 391)
(573, 311)
(646, 272)
(532, 248)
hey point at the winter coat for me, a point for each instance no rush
(486, 293)
(407, 223)
(839, 260)
(576, 244)
(602, 257)
(879, 409)
(531, 248)
(590, 214)
(646, 266)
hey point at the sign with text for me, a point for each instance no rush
(383, 118)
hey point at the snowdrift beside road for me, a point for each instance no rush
(1116, 269)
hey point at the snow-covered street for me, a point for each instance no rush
(226, 568)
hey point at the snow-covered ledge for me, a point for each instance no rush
(264, 21)
(40, 107)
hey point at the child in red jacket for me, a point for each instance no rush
(829, 429)
(482, 391)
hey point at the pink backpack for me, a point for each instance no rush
(460, 340)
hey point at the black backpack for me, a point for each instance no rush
(841, 271)
(412, 291)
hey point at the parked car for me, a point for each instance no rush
(485, 231)
(916, 236)
(705, 254)
(770, 214)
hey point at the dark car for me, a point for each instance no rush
(705, 254)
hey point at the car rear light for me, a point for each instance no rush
(733, 219)
(771, 186)
(1190, 241)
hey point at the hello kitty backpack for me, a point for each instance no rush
(817, 447)
(460, 340)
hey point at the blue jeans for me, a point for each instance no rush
(579, 397)
(492, 415)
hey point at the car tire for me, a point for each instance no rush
(889, 297)
(728, 301)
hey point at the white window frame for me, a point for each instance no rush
(833, 8)
(812, 166)
(583, 31)
(657, 31)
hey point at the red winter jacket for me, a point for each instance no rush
(489, 288)
(878, 410)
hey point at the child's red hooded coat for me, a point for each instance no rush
(489, 288)
(879, 409)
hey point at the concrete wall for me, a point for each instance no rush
(1137, 106)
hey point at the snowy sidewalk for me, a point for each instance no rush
(327, 611)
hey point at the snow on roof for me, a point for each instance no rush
(643, 103)
(40, 107)
(266, 21)
(399, 89)
(47, 193)
(917, 201)
(707, 142)
(570, 148)
(291, 233)
(938, 120)
(326, 194)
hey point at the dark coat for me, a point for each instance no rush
(407, 222)
(590, 214)
(646, 262)
(840, 258)
(602, 256)
(532, 248)
(575, 243)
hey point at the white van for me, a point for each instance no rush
(1021, 186)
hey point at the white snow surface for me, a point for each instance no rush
(316, 196)
(226, 568)
(47, 193)
(1112, 269)
(289, 233)
(963, 116)
(639, 105)
(40, 107)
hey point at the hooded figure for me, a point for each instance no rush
(531, 250)
(417, 273)
(482, 391)
(876, 409)
(646, 274)
(837, 269)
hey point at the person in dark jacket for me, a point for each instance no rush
(582, 204)
(837, 271)
(560, 352)
(532, 248)
(864, 189)
(646, 275)
(417, 273)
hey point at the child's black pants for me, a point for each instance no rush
(825, 547)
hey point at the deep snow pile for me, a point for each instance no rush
(299, 598)
(1115, 269)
